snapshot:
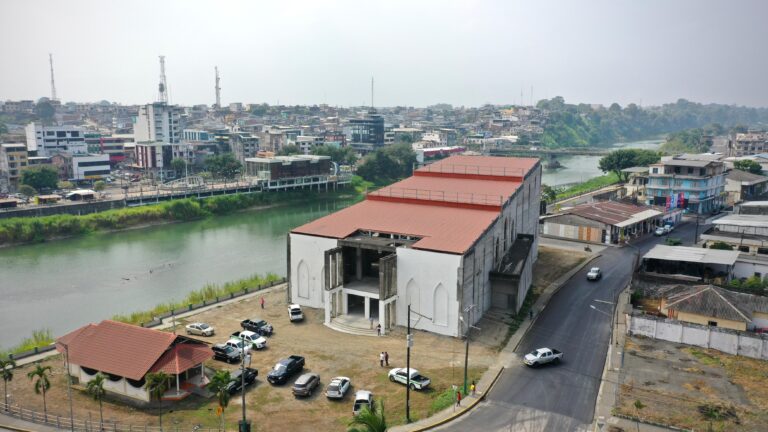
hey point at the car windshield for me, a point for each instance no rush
(260, 323)
(279, 367)
(204, 326)
(534, 353)
(595, 270)
(333, 387)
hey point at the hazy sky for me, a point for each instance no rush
(420, 52)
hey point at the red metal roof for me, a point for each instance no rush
(487, 167)
(444, 229)
(454, 192)
(448, 204)
(182, 357)
(117, 348)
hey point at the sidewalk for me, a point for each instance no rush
(18, 425)
(506, 358)
(609, 387)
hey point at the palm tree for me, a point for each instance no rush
(6, 368)
(95, 388)
(40, 378)
(369, 420)
(638, 407)
(157, 384)
(218, 385)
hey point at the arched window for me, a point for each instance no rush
(302, 282)
(412, 296)
(440, 305)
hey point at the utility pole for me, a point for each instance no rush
(466, 345)
(69, 389)
(408, 344)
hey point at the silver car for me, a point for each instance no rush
(200, 329)
(337, 388)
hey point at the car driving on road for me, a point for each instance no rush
(594, 274)
(542, 356)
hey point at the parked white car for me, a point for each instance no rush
(200, 329)
(401, 375)
(660, 231)
(363, 398)
(253, 338)
(295, 313)
(337, 388)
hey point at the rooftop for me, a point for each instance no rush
(745, 177)
(692, 254)
(614, 213)
(743, 220)
(709, 300)
(484, 167)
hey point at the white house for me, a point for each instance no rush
(456, 238)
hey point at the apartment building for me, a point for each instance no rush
(50, 140)
(751, 143)
(159, 122)
(13, 159)
(692, 182)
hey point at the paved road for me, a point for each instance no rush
(562, 397)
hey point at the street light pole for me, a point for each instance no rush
(408, 343)
(244, 426)
(466, 345)
(69, 388)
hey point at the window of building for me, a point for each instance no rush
(758, 274)
(762, 251)
(655, 170)
(677, 170)
(61, 134)
(712, 323)
(690, 170)
(49, 133)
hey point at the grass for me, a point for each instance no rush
(703, 357)
(207, 293)
(39, 338)
(518, 318)
(589, 185)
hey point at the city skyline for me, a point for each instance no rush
(464, 54)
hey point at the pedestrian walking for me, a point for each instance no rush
(262, 302)
(530, 314)
(458, 398)
(381, 359)
(386, 358)
(472, 388)
(378, 329)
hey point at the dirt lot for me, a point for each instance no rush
(688, 387)
(327, 352)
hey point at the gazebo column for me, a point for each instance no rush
(177, 384)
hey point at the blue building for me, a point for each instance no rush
(693, 182)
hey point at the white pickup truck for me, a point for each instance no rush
(542, 356)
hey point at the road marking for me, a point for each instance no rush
(603, 301)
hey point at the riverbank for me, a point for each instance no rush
(588, 186)
(19, 231)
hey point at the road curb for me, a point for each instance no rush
(465, 410)
(14, 428)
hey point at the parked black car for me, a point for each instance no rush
(257, 325)
(237, 381)
(285, 368)
(225, 353)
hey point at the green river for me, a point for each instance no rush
(61, 285)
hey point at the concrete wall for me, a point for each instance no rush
(746, 267)
(307, 267)
(751, 345)
(429, 282)
(73, 209)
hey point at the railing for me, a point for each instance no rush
(472, 170)
(91, 424)
(440, 196)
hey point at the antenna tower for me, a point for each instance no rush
(53, 84)
(218, 89)
(162, 88)
(372, 108)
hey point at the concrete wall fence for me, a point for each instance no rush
(745, 344)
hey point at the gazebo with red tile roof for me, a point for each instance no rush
(126, 353)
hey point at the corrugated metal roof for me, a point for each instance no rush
(482, 165)
(459, 190)
(692, 254)
(614, 213)
(708, 301)
(444, 229)
(743, 220)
